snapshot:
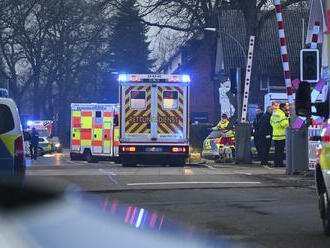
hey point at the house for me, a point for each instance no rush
(267, 72)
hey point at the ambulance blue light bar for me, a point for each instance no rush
(162, 78)
(185, 78)
(122, 78)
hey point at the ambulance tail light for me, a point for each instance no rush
(19, 148)
(128, 149)
(178, 149)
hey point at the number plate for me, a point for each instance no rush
(154, 149)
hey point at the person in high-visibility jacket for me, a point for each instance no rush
(279, 121)
(227, 135)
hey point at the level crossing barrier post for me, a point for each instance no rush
(297, 150)
(243, 143)
(288, 153)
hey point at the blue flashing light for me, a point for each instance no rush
(29, 123)
(122, 78)
(185, 78)
(138, 222)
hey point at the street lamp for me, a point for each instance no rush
(231, 37)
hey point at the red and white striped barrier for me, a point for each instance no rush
(284, 51)
(247, 80)
(316, 31)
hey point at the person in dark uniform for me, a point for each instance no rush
(34, 142)
(256, 125)
(265, 133)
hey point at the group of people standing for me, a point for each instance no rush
(270, 126)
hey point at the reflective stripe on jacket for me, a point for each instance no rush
(221, 126)
(279, 121)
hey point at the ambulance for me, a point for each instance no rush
(94, 131)
(44, 127)
(154, 119)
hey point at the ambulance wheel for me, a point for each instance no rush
(325, 212)
(88, 156)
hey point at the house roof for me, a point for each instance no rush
(267, 53)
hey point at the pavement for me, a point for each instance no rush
(278, 174)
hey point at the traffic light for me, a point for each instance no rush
(233, 81)
(309, 65)
(303, 100)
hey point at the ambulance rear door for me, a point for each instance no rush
(136, 112)
(108, 141)
(172, 112)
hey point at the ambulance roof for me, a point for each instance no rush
(94, 106)
(172, 78)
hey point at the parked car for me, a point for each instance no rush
(12, 159)
(214, 150)
(56, 144)
(45, 146)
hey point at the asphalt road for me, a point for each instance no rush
(245, 203)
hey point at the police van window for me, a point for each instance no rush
(138, 99)
(170, 99)
(6, 119)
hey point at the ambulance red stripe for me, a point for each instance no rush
(97, 126)
(87, 113)
(97, 142)
(76, 142)
(76, 122)
(86, 134)
(108, 114)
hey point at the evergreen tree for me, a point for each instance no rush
(129, 47)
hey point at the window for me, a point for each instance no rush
(6, 119)
(116, 120)
(98, 114)
(214, 134)
(170, 99)
(138, 99)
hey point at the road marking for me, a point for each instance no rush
(113, 180)
(244, 173)
(210, 167)
(171, 183)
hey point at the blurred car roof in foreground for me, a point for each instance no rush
(34, 218)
